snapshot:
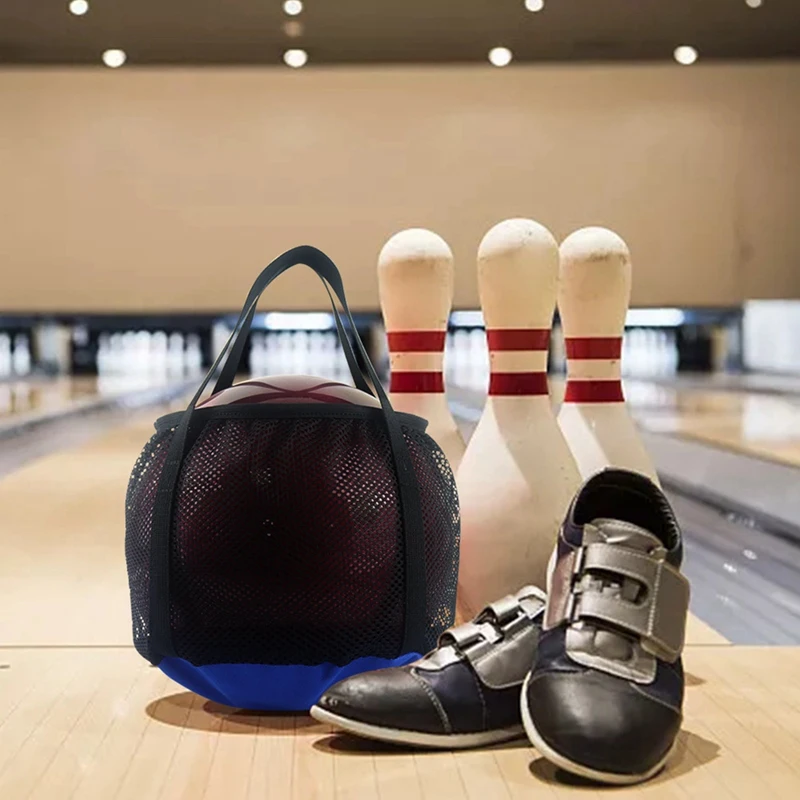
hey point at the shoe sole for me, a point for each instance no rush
(617, 778)
(438, 741)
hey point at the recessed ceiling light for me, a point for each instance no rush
(754, 3)
(78, 7)
(114, 58)
(500, 56)
(295, 58)
(293, 7)
(534, 5)
(685, 54)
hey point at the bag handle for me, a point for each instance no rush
(330, 278)
(408, 489)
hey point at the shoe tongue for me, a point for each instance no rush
(620, 533)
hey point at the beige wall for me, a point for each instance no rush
(169, 189)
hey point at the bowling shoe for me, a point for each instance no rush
(465, 693)
(604, 697)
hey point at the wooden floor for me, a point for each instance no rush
(83, 716)
(99, 724)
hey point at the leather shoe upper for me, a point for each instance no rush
(470, 683)
(606, 689)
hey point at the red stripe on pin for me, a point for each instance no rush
(416, 341)
(591, 347)
(500, 339)
(592, 391)
(416, 382)
(516, 383)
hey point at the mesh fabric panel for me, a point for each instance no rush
(442, 524)
(139, 503)
(287, 541)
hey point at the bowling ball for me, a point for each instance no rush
(290, 389)
(267, 510)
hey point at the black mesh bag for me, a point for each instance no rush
(274, 549)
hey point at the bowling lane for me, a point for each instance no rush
(63, 570)
(746, 581)
(756, 422)
(31, 399)
(62, 523)
(21, 397)
(749, 422)
(753, 414)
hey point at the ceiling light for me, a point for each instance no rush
(114, 58)
(754, 3)
(500, 56)
(292, 7)
(685, 54)
(78, 7)
(534, 5)
(295, 58)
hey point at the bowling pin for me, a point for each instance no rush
(103, 353)
(593, 294)
(5, 355)
(517, 476)
(415, 280)
(193, 355)
(158, 353)
(21, 357)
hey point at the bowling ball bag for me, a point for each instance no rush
(276, 548)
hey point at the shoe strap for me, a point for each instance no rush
(500, 619)
(639, 593)
(499, 644)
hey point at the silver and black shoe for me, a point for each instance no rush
(465, 693)
(605, 694)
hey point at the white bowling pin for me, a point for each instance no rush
(194, 354)
(103, 353)
(517, 476)
(460, 354)
(593, 294)
(220, 333)
(175, 353)
(21, 358)
(158, 352)
(415, 280)
(5, 355)
(254, 359)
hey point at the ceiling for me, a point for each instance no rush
(200, 32)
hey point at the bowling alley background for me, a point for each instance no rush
(156, 155)
(185, 170)
(140, 197)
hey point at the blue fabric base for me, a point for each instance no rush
(267, 687)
